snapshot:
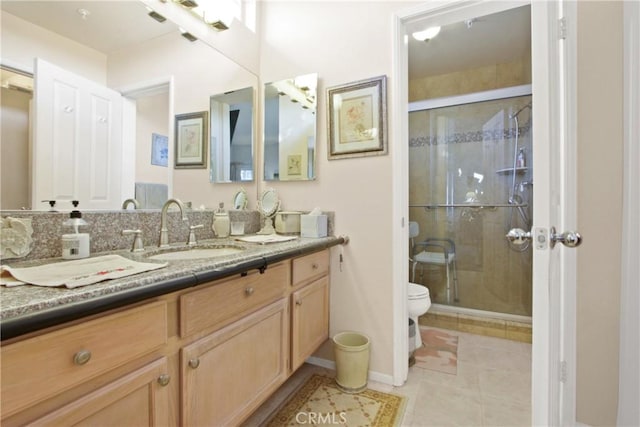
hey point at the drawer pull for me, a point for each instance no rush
(194, 363)
(164, 379)
(248, 291)
(82, 357)
(315, 266)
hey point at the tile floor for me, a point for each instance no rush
(491, 388)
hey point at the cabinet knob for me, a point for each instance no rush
(248, 291)
(164, 379)
(194, 363)
(298, 302)
(315, 266)
(82, 357)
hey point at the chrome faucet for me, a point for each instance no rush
(134, 202)
(164, 232)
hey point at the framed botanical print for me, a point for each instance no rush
(357, 118)
(191, 140)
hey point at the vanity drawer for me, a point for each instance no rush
(310, 267)
(43, 366)
(223, 302)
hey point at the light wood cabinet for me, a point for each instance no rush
(42, 366)
(208, 355)
(309, 320)
(140, 398)
(228, 374)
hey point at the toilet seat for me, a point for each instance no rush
(417, 291)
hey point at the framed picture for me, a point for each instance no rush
(294, 162)
(191, 140)
(159, 150)
(357, 122)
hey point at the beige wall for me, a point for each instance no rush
(479, 79)
(600, 148)
(336, 41)
(14, 151)
(23, 41)
(152, 117)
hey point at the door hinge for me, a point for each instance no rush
(562, 28)
(563, 371)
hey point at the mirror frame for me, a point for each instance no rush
(240, 200)
(269, 212)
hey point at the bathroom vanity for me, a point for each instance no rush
(203, 342)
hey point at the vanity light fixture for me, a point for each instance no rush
(187, 3)
(426, 35)
(155, 15)
(187, 35)
(219, 25)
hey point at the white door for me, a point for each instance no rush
(553, 49)
(77, 141)
(554, 267)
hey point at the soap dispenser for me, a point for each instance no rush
(221, 222)
(75, 245)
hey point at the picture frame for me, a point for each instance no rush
(357, 119)
(159, 150)
(191, 140)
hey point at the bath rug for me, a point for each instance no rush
(439, 351)
(319, 401)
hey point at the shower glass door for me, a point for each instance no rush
(470, 181)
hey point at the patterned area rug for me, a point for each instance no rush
(319, 401)
(439, 351)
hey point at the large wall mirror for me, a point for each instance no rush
(231, 116)
(290, 129)
(159, 74)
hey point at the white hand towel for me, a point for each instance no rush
(73, 274)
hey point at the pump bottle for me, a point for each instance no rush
(75, 245)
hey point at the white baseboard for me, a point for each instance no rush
(330, 364)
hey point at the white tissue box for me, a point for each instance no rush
(313, 226)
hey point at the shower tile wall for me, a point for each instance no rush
(456, 153)
(477, 79)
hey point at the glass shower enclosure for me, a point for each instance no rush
(470, 182)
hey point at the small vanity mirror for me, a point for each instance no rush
(290, 129)
(240, 200)
(268, 205)
(231, 116)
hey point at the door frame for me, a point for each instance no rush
(553, 402)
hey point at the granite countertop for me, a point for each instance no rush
(29, 308)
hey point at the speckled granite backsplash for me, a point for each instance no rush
(105, 228)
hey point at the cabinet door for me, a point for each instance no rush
(140, 398)
(309, 320)
(228, 374)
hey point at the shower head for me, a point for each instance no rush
(514, 115)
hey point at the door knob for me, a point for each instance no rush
(570, 239)
(518, 236)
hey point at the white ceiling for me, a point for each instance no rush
(110, 25)
(491, 39)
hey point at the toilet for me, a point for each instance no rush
(419, 303)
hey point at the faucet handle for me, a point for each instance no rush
(137, 246)
(192, 234)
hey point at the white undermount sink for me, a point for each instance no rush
(197, 253)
